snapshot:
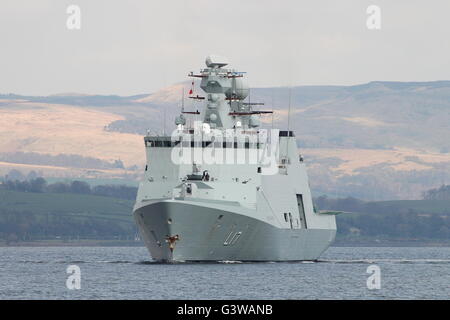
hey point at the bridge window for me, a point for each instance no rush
(202, 144)
(206, 144)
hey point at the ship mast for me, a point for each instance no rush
(225, 94)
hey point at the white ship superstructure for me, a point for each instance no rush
(226, 189)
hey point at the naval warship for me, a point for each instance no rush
(223, 188)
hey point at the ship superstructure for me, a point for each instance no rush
(226, 189)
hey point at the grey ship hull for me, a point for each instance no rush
(211, 234)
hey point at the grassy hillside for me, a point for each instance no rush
(377, 115)
(26, 216)
(29, 216)
(417, 206)
(79, 205)
(390, 220)
(375, 141)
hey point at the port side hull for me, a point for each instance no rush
(211, 234)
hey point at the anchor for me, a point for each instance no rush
(172, 240)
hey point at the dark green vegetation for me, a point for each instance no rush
(40, 185)
(34, 210)
(390, 220)
(442, 193)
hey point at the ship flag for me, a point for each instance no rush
(191, 91)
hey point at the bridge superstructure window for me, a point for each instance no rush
(164, 143)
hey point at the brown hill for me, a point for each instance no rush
(382, 140)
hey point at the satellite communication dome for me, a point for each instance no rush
(213, 117)
(254, 121)
(241, 89)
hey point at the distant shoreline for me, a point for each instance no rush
(74, 243)
(129, 243)
(390, 243)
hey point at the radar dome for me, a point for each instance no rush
(241, 89)
(254, 121)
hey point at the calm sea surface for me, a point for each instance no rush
(128, 273)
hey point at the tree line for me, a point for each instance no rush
(62, 160)
(40, 185)
(384, 220)
(27, 226)
(442, 193)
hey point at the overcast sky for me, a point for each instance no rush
(139, 46)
